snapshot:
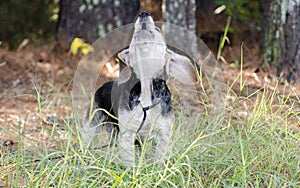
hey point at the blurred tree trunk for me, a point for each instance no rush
(91, 19)
(281, 37)
(182, 13)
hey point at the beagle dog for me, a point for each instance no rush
(140, 98)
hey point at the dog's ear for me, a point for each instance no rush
(124, 56)
(124, 75)
(180, 67)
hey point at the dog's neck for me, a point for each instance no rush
(147, 58)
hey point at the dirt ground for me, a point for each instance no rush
(32, 71)
(24, 73)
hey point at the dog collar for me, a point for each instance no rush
(145, 114)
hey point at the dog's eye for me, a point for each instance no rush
(157, 29)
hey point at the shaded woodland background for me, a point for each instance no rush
(40, 33)
(269, 27)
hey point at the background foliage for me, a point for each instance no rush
(34, 19)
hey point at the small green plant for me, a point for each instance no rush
(39, 97)
(242, 9)
(223, 39)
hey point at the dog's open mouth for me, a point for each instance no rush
(147, 25)
(144, 27)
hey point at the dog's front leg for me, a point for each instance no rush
(88, 133)
(126, 141)
(163, 135)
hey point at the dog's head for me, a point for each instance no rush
(149, 58)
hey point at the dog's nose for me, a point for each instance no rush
(143, 16)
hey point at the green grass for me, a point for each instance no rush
(252, 143)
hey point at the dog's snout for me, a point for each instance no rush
(143, 16)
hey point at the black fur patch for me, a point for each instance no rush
(134, 96)
(161, 95)
(102, 100)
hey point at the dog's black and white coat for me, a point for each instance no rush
(140, 97)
